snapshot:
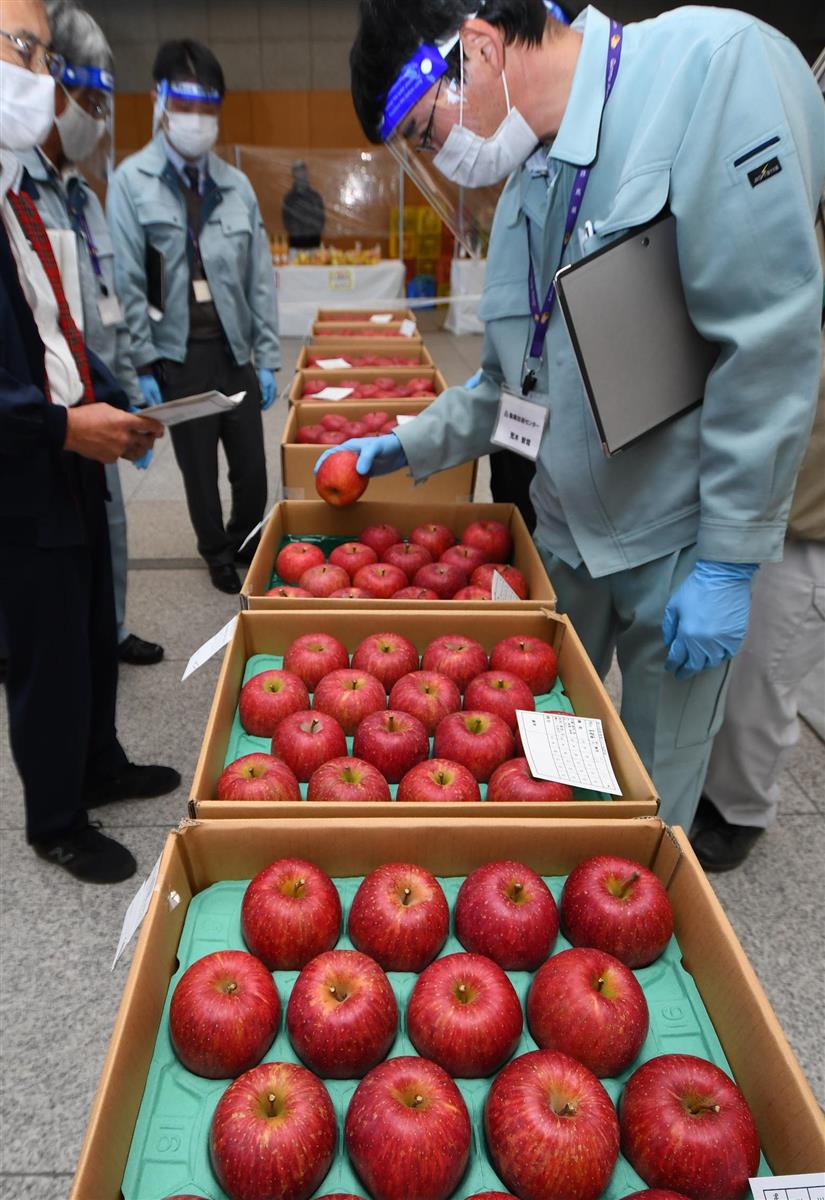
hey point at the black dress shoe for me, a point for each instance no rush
(707, 816)
(133, 783)
(724, 847)
(89, 855)
(225, 578)
(138, 652)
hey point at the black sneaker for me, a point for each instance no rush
(89, 855)
(138, 652)
(225, 578)
(133, 783)
(724, 847)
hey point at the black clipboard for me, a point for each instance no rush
(642, 361)
(155, 278)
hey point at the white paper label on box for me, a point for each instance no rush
(789, 1187)
(567, 749)
(405, 418)
(333, 364)
(260, 525)
(136, 912)
(333, 393)
(520, 425)
(408, 328)
(381, 318)
(208, 649)
(501, 589)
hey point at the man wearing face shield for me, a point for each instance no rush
(717, 117)
(62, 416)
(81, 133)
(194, 272)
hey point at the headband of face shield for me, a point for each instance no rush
(86, 129)
(193, 134)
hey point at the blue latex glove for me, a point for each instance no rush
(707, 617)
(142, 463)
(150, 390)
(376, 455)
(266, 379)
(474, 380)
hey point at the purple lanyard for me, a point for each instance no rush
(541, 313)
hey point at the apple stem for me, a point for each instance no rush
(568, 1111)
(298, 886)
(418, 1100)
(629, 884)
(599, 984)
(272, 1109)
(407, 895)
(695, 1109)
(231, 987)
(517, 888)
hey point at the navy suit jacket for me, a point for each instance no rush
(40, 482)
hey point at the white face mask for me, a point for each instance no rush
(473, 161)
(192, 134)
(79, 131)
(26, 107)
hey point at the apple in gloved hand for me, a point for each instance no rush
(338, 482)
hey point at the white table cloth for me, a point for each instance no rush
(303, 290)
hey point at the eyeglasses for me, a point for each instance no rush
(426, 142)
(34, 54)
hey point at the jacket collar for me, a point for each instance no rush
(153, 160)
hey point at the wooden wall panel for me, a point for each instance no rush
(280, 119)
(332, 121)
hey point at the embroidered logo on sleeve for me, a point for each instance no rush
(765, 171)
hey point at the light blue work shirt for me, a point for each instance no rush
(108, 339)
(703, 97)
(146, 207)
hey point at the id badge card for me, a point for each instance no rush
(109, 309)
(519, 425)
(201, 290)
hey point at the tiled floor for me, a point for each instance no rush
(58, 997)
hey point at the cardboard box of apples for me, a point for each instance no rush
(359, 330)
(469, 537)
(370, 354)
(313, 425)
(381, 384)
(429, 1009)
(390, 699)
(349, 316)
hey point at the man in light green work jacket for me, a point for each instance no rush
(716, 116)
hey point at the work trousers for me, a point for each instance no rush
(209, 366)
(57, 618)
(510, 478)
(784, 644)
(116, 517)
(671, 722)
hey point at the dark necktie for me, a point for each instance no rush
(193, 179)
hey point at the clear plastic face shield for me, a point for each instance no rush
(87, 122)
(188, 113)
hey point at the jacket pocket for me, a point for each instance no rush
(637, 201)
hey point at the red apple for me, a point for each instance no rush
(438, 781)
(617, 905)
(459, 658)
(387, 656)
(355, 429)
(530, 658)
(386, 385)
(465, 1015)
(506, 911)
(392, 741)
(342, 1016)
(513, 783)
(466, 557)
(381, 579)
(267, 698)
(290, 912)
(686, 1126)
(483, 577)
(313, 655)
(224, 1014)
(324, 579)
(472, 593)
(551, 1128)
(491, 1196)
(653, 1194)
(375, 419)
(480, 741)
(443, 578)
(389, 427)
(588, 1005)
(399, 916)
(501, 693)
(408, 557)
(492, 538)
(380, 537)
(436, 538)
(337, 1196)
(349, 696)
(338, 482)
(352, 556)
(334, 421)
(348, 781)
(286, 592)
(352, 593)
(295, 558)
(415, 593)
(305, 740)
(258, 777)
(407, 1131)
(331, 437)
(309, 435)
(426, 695)
(273, 1133)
